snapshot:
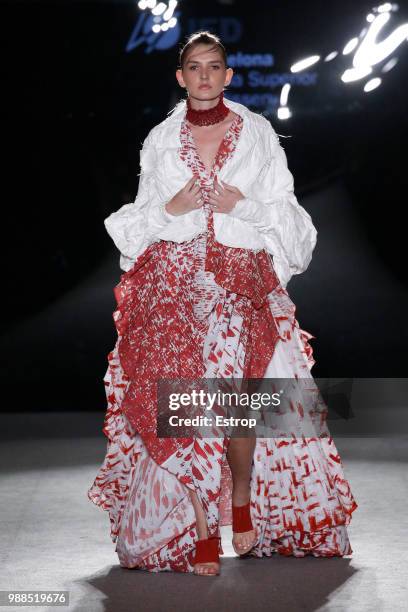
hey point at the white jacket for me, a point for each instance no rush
(269, 217)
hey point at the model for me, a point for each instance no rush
(207, 250)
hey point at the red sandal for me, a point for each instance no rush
(207, 551)
(241, 522)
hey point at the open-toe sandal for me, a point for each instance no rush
(207, 551)
(241, 522)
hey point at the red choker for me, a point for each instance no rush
(208, 116)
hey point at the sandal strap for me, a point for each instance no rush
(241, 518)
(207, 550)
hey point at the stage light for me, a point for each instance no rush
(159, 8)
(285, 94)
(371, 52)
(305, 63)
(372, 84)
(284, 113)
(331, 56)
(390, 64)
(354, 74)
(351, 45)
(384, 8)
(169, 13)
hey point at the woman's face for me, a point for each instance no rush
(204, 74)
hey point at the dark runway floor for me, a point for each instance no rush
(52, 537)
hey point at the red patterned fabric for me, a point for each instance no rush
(160, 335)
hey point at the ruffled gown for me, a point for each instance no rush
(199, 309)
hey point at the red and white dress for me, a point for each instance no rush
(200, 309)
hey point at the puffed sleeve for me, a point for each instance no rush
(138, 224)
(286, 227)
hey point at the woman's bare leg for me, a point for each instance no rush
(202, 532)
(239, 455)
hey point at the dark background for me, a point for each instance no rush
(76, 109)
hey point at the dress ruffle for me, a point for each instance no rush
(303, 509)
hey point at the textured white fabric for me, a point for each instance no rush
(269, 217)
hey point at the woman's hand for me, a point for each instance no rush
(223, 199)
(187, 199)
